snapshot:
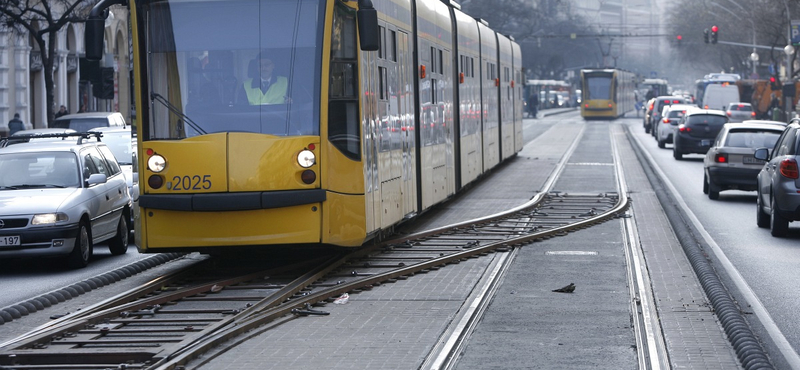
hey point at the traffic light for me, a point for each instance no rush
(705, 35)
(774, 83)
(104, 87)
(679, 38)
(714, 34)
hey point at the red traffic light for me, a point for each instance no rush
(679, 37)
(714, 28)
(772, 79)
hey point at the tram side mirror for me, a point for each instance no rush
(93, 38)
(95, 27)
(368, 34)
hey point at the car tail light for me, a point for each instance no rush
(729, 114)
(675, 101)
(586, 105)
(789, 169)
(721, 158)
(666, 101)
(741, 105)
(752, 114)
(308, 176)
(666, 120)
(705, 106)
(651, 106)
(683, 128)
(610, 105)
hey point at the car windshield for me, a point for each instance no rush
(675, 113)
(120, 144)
(38, 170)
(233, 66)
(752, 139)
(80, 124)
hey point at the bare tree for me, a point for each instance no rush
(544, 29)
(42, 20)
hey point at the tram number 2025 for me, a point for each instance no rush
(195, 182)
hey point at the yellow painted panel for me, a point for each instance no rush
(174, 229)
(344, 220)
(194, 165)
(264, 162)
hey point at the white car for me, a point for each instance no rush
(665, 128)
(123, 145)
(60, 198)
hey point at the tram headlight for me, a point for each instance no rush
(156, 163)
(306, 158)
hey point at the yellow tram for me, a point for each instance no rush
(607, 93)
(292, 122)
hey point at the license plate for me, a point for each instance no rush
(8, 241)
(705, 142)
(751, 160)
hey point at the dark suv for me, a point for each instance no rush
(696, 131)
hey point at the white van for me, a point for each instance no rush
(82, 122)
(718, 96)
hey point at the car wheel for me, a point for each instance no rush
(762, 218)
(119, 243)
(82, 251)
(713, 190)
(778, 225)
(677, 155)
(646, 129)
(705, 184)
(662, 143)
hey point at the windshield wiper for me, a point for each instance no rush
(32, 186)
(158, 97)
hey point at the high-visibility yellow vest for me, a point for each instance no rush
(275, 95)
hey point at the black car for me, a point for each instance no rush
(697, 131)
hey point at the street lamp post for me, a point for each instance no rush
(789, 51)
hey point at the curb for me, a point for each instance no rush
(16, 311)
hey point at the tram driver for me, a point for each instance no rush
(262, 87)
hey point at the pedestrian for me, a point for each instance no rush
(533, 104)
(15, 124)
(650, 95)
(62, 111)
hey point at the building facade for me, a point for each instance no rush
(22, 80)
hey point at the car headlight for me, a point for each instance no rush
(49, 218)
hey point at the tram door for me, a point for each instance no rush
(406, 113)
(390, 159)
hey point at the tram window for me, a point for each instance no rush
(440, 61)
(382, 81)
(382, 46)
(343, 41)
(433, 60)
(343, 128)
(343, 80)
(391, 46)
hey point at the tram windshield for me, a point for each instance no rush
(233, 66)
(597, 87)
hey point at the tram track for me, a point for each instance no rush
(174, 320)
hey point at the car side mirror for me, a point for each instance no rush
(367, 18)
(762, 154)
(97, 178)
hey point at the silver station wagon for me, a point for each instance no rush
(60, 198)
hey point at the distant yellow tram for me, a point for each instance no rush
(607, 93)
(292, 122)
